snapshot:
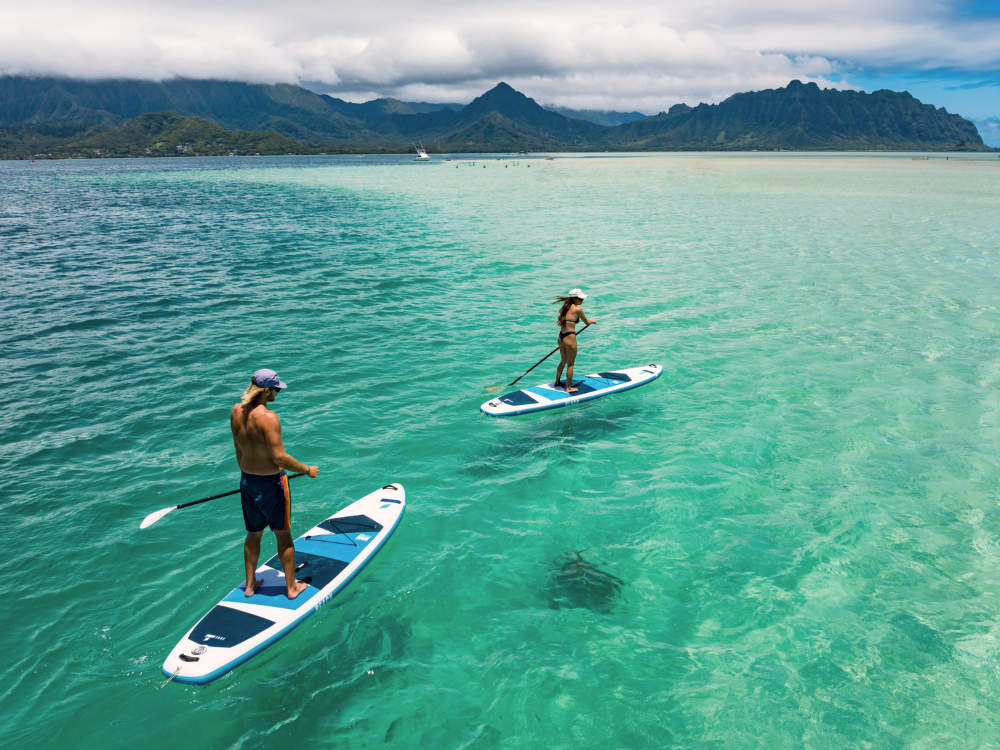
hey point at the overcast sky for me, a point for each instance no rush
(641, 55)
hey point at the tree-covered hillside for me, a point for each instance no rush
(157, 134)
(802, 116)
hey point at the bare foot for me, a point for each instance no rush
(297, 589)
(251, 590)
(571, 390)
(558, 384)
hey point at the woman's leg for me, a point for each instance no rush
(562, 360)
(570, 347)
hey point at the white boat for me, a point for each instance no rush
(421, 153)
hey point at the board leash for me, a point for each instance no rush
(170, 678)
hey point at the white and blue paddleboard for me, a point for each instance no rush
(327, 557)
(549, 396)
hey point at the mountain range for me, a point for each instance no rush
(69, 117)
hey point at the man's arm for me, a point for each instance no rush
(271, 426)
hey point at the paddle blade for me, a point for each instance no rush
(155, 516)
(494, 388)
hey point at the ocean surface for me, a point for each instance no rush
(802, 511)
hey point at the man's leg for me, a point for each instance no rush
(251, 553)
(286, 552)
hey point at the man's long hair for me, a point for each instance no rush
(253, 393)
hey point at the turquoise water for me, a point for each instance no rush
(802, 509)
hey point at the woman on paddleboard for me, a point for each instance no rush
(570, 314)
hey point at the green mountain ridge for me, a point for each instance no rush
(597, 116)
(155, 134)
(803, 116)
(68, 117)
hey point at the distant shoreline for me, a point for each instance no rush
(446, 156)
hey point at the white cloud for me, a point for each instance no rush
(989, 129)
(635, 55)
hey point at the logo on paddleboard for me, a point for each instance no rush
(198, 650)
(209, 636)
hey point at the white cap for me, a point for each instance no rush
(577, 293)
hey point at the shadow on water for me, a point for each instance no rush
(535, 435)
(579, 583)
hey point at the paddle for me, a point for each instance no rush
(497, 387)
(158, 514)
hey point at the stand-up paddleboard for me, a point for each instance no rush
(327, 557)
(549, 396)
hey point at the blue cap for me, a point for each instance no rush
(268, 379)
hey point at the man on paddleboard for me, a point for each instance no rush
(263, 484)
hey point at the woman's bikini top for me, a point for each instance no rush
(571, 322)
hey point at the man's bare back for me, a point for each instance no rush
(254, 429)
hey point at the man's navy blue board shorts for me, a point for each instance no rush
(266, 501)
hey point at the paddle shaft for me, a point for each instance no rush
(222, 494)
(546, 357)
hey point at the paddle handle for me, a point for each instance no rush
(545, 357)
(223, 494)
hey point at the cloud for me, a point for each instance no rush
(978, 83)
(635, 55)
(989, 129)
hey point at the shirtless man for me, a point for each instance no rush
(263, 484)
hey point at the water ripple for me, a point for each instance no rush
(801, 507)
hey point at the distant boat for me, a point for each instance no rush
(421, 153)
